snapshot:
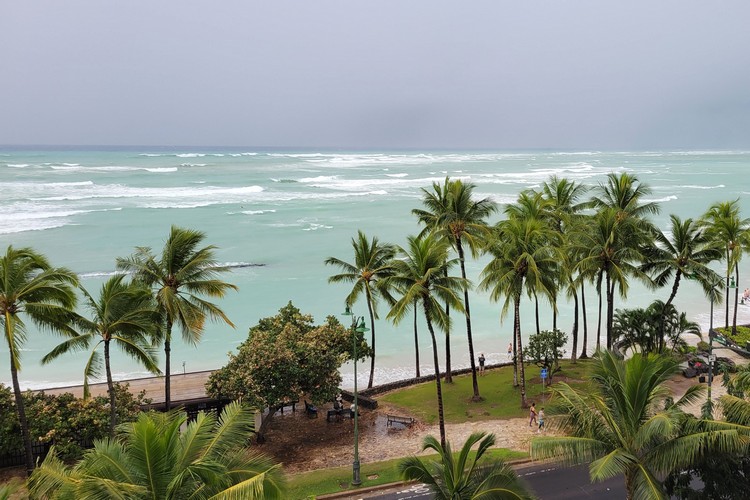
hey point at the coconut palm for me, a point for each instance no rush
(627, 424)
(420, 276)
(684, 250)
(733, 233)
(522, 260)
(179, 277)
(151, 459)
(459, 478)
(31, 288)
(124, 315)
(372, 263)
(451, 211)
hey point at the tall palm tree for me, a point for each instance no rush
(458, 478)
(627, 425)
(522, 258)
(31, 288)
(372, 263)
(125, 315)
(733, 233)
(452, 212)
(178, 278)
(419, 275)
(152, 459)
(684, 250)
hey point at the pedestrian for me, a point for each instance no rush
(541, 420)
(481, 363)
(532, 414)
(510, 350)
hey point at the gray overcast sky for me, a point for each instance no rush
(636, 74)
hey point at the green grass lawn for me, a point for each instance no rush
(322, 482)
(501, 399)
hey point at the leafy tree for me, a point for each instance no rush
(545, 349)
(31, 288)
(179, 277)
(459, 478)
(285, 357)
(421, 278)
(522, 255)
(627, 424)
(372, 263)
(152, 459)
(653, 329)
(453, 212)
(125, 315)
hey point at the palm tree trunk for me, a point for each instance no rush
(736, 297)
(110, 390)
(517, 308)
(726, 300)
(672, 295)
(575, 325)
(372, 338)
(20, 409)
(167, 371)
(448, 370)
(599, 321)
(610, 309)
(438, 387)
(585, 341)
(554, 312)
(536, 312)
(416, 338)
(474, 382)
(516, 328)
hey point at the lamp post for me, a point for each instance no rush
(358, 326)
(711, 358)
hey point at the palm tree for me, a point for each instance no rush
(152, 459)
(372, 263)
(684, 250)
(628, 425)
(125, 315)
(458, 478)
(522, 259)
(30, 287)
(178, 278)
(419, 275)
(451, 211)
(733, 233)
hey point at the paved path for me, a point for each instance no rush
(185, 387)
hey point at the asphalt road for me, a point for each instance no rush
(549, 482)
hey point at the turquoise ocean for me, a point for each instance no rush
(275, 216)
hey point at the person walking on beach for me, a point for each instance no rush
(532, 414)
(510, 350)
(481, 364)
(541, 420)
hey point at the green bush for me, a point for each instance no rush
(702, 346)
(742, 336)
(63, 420)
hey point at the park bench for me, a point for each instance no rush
(340, 413)
(395, 419)
(311, 410)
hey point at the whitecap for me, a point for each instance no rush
(18, 165)
(397, 175)
(661, 200)
(690, 186)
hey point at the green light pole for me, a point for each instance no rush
(712, 296)
(358, 326)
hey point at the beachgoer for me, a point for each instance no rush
(481, 363)
(745, 295)
(510, 350)
(541, 420)
(532, 414)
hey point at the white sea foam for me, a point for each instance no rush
(190, 155)
(193, 165)
(397, 175)
(18, 165)
(692, 186)
(660, 200)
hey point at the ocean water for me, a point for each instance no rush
(276, 215)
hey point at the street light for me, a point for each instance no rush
(358, 326)
(711, 358)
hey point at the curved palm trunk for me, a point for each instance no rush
(599, 321)
(448, 369)
(517, 312)
(575, 326)
(372, 339)
(516, 328)
(441, 417)
(167, 370)
(474, 381)
(736, 297)
(110, 390)
(672, 295)
(726, 300)
(554, 312)
(536, 312)
(585, 341)
(416, 338)
(20, 409)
